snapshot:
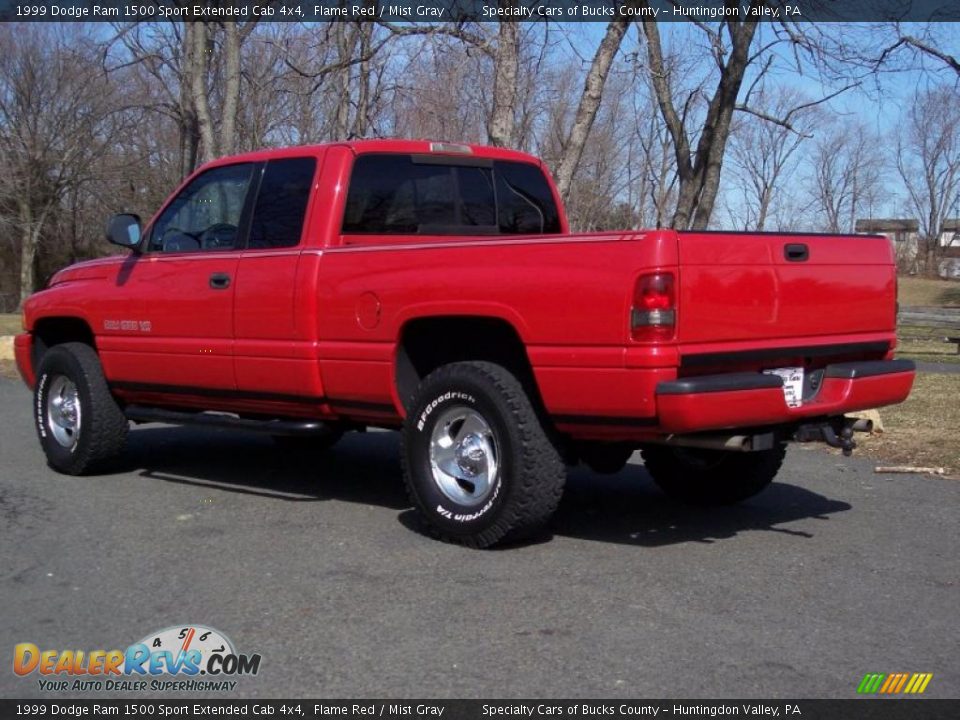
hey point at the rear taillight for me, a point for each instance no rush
(654, 312)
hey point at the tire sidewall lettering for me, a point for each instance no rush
(433, 404)
(59, 366)
(40, 402)
(454, 516)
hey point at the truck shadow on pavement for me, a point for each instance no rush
(628, 508)
(625, 508)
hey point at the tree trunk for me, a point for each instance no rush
(363, 91)
(589, 105)
(189, 142)
(347, 35)
(700, 175)
(765, 199)
(231, 88)
(28, 251)
(187, 120)
(201, 101)
(506, 67)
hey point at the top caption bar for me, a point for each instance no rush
(483, 10)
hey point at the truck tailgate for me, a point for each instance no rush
(766, 290)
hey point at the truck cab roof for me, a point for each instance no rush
(360, 147)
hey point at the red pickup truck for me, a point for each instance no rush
(435, 287)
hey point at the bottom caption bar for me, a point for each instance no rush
(872, 709)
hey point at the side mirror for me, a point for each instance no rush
(124, 230)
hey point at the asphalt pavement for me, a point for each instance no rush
(317, 563)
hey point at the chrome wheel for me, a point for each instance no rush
(464, 456)
(63, 412)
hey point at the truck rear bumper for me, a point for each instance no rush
(739, 400)
(22, 350)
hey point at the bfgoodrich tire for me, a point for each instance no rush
(605, 458)
(478, 465)
(712, 477)
(80, 426)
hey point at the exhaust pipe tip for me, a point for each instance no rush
(862, 425)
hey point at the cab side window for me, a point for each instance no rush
(282, 203)
(206, 215)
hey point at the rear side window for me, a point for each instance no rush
(524, 200)
(282, 203)
(398, 195)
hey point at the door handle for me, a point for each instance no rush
(219, 281)
(796, 252)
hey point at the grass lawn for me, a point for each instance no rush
(923, 291)
(923, 431)
(933, 350)
(9, 323)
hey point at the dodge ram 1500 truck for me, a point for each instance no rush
(435, 287)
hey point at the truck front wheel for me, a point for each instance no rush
(80, 425)
(478, 465)
(711, 477)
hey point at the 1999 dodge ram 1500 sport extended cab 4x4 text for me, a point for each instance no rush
(435, 287)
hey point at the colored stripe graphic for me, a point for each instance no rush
(870, 683)
(901, 682)
(894, 684)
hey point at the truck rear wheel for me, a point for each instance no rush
(478, 465)
(605, 458)
(712, 477)
(80, 425)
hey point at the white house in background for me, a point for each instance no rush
(903, 233)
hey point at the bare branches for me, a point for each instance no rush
(589, 104)
(785, 121)
(928, 49)
(928, 162)
(699, 172)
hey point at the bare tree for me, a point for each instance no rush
(699, 169)
(846, 174)
(198, 69)
(589, 104)
(928, 161)
(55, 110)
(599, 197)
(213, 46)
(763, 154)
(163, 56)
(506, 67)
(437, 77)
(650, 159)
(700, 136)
